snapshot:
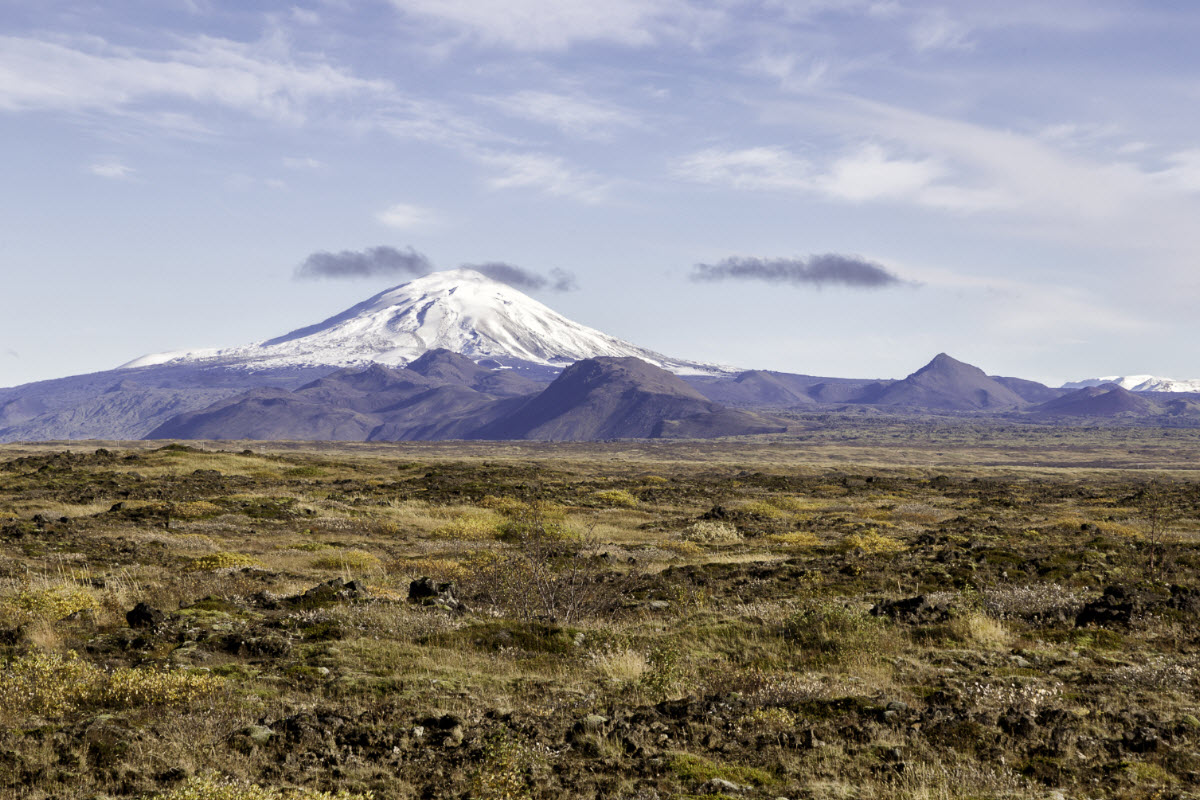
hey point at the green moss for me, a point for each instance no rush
(697, 769)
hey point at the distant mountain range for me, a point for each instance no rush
(456, 355)
(1139, 383)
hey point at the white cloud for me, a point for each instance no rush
(548, 174)
(111, 168)
(571, 114)
(869, 174)
(404, 216)
(302, 163)
(751, 168)
(795, 74)
(557, 24)
(1184, 172)
(866, 173)
(938, 31)
(90, 75)
(305, 16)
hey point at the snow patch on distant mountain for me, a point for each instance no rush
(460, 310)
(1139, 383)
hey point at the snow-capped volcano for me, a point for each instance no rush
(1139, 383)
(460, 310)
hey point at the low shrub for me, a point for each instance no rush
(52, 603)
(223, 560)
(870, 541)
(616, 497)
(479, 526)
(51, 684)
(712, 532)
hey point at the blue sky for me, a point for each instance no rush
(1027, 172)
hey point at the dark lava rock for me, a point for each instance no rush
(1117, 606)
(327, 593)
(428, 592)
(144, 616)
(914, 610)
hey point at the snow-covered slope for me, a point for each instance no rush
(1139, 383)
(460, 310)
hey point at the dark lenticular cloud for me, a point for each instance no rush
(520, 278)
(818, 270)
(370, 263)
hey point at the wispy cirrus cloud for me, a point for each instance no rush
(552, 175)
(302, 163)
(111, 168)
(826, 269)
(866, 173)
(87, 74)
(574, 115)
(555, 25)
(406, 216)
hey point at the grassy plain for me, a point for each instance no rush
(628, 619)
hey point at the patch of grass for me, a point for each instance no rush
(616, 497)
(795, 539)
(472, 526)
(697, 769)
(213, 787)
(711, 532)
(351, 560)
(51, 684)
(223, 560)
(870, 542)
(50, 603)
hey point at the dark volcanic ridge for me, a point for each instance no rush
(444, 395)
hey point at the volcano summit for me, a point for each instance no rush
(459, 310)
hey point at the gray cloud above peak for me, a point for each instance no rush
(373, 262)
(390, 262)
(826, 269)
(520, 278)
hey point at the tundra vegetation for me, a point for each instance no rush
(878, 609)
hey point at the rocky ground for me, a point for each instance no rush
(491, 622)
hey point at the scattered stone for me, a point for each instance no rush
(144, 616)
(253, 736)
(327, 593)
(917, 610)
(428, 592)
(722, 786)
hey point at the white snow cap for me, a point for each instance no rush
(1139, 383)
(460, 310)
